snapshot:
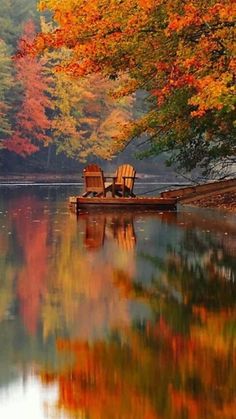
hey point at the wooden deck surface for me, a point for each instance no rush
(79, 202)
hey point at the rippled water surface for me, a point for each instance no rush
(115, 315)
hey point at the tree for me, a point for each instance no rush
(5, 84)
(31, 123)
(86, 119)
(180, 52)
(14, 13)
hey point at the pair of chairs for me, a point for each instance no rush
(120, 184)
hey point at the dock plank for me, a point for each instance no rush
(155, 203)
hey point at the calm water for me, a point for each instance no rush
(115, 316)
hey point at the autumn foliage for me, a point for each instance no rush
(5, 84)
(78, 117)
(79, 78)
(31, 122)
(180, 52)
(193, 49)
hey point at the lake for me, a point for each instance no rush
(115, 315)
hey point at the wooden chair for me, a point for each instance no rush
(94, 181)
(124, 181)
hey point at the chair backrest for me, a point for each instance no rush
(126, 170)
(94, 179)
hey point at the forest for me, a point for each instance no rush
(81, 80)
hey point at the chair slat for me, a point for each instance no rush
(94, 180)
(125, 170)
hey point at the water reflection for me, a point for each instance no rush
(100, 226)
(122, 315)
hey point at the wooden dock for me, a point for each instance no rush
(77, 203)
(191, 193)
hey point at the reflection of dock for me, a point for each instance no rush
(99, 226)
(156, 204)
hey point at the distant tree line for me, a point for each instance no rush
(49, 119)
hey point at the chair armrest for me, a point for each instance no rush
(92, 174)
(128, 177)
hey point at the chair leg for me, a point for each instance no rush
(123, 188)
(113, 190)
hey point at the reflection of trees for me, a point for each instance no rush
(199, 279)
(81, 281)
(179, 365)
(21, 352)
(113, 363)
(7, 268)
(200, 272)
(149, 372)
(23, 267)
(101, 384)
(24, 259)
(31, 234)
(57, 277)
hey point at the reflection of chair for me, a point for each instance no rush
(98, 226)
(124, 182)
(123, 232)
(94, 232)
(94, 181)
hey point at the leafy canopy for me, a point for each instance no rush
(180, 52)
(5, 84)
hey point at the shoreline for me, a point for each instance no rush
(223, 201)
(63, 177)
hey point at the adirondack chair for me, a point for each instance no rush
(94, 181)
(124, 182)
